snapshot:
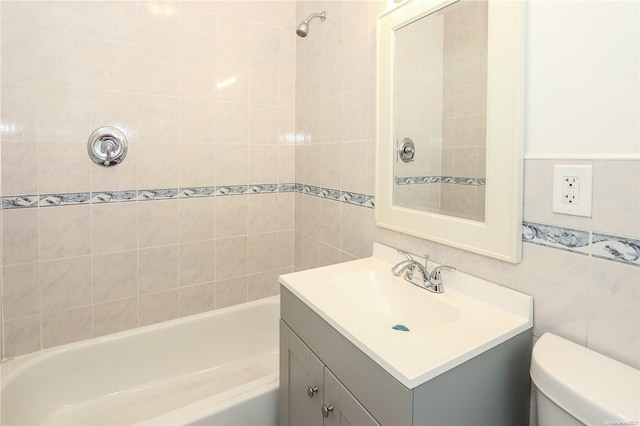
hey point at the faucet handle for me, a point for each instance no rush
(435, 280)
(407, 255)
(435, 274)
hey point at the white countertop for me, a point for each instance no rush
(363, 300)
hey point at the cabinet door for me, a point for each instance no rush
(344, 409)
(299, 370)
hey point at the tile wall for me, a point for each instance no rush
(335, 117)
(200, 213)
(584, 273)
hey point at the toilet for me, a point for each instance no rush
(577, 386)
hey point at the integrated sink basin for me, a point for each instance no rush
(378, 299)
(363, 301)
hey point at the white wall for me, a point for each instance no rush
(583, 78)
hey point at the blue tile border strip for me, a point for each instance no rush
(112, 196)
(603, 246)
(20, 201)
(347, 197)
(553, 236)
(157, 194)
(455, 180)
(53, 200)
(102, 197)
(196, 192)
(619, 249)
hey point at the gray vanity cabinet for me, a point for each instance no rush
(310, 395)
(491, 389)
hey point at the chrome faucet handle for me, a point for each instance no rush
(435, 277)
(407, 255)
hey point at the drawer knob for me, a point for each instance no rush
(311, 390)
(326, 410)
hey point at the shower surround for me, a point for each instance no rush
(200, 213)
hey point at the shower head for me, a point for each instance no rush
(303, 28)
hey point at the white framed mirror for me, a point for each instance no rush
(450, 118)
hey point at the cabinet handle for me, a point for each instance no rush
(311, 390)
(326, 410)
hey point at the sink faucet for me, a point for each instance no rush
(430, 281)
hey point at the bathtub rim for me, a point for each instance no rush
(228, 399)
(11, 368)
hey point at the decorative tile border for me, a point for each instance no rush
(603, 246)
(347, 197)
(619, 249)
(265, 188)
(49, 200)
(157, 194)
(553, 236)
(196, 192)
(20, 201)
(358, 199)
(112, 197)
(101, 197)
(53, 200)
(287, 187)
(454, 180)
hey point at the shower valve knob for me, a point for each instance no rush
(107, 146)
(407, 150)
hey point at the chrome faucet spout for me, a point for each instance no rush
(401, 267)
(429, 281)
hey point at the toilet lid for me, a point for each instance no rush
(593, 388)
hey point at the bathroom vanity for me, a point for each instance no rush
(341, 359)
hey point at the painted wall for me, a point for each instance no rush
(200, 213)
(583, 85)
(582, 290)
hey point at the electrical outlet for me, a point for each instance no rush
(572, 189)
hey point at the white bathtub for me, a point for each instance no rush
(216, 368)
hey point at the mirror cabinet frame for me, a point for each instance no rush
(500, 235)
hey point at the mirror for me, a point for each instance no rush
(440, 89)
(450, 123)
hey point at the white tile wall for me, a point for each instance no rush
(204, 92)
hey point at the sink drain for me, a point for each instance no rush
(400, 327)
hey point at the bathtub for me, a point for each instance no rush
(216, 368)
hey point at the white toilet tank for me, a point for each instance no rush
(576, 386)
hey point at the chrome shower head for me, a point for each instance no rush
(303, 28)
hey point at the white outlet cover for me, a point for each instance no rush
(583, 207)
